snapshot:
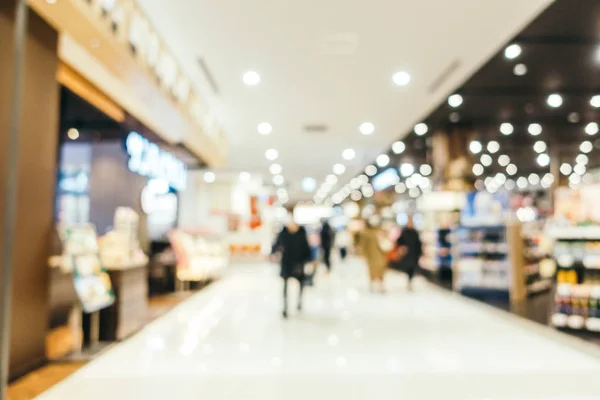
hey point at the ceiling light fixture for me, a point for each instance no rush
(278, 180)
(566, 169)
(209, 177)
(591, 128)
(331, 179)
(534, 179)
(401, 78)
(540, 146)
(513, 51)
(383, 160)
(504, 160)
(574, 117)
(534, 129)
(555, 100)
(520, 70)
(366, 128)
(371, 170)
(400, 188)
(251, 78)
(348, 154)
(398, 147)
(455, 100)
(264, 128)
(339, 169)
(522, 182)
(475, 147)
(407, 169)
(511, 169)
(73, 134)
(51, 1)
(507, 129)
(309, 185)
(493, 147)
(275, 169)
(582, 159)
(478, 169)
(543, 160)
(586, 147)
(486, 160)
(271, 154)
(421, 129)
(425, 170)
(579, 169)
(595, 101)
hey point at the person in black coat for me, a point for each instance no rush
(410, 249)
(292, 243)
(327, 243)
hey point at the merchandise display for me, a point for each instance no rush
(92, 282)
(199, 257)
(120, 248)
(539, 266)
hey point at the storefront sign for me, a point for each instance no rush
(147, 159)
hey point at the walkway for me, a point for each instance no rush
(229, 342)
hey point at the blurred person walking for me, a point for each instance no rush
(326, 243)
(370, 246)
(292, 243)
(342, 242)
(410, 250)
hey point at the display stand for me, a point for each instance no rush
(577, 298)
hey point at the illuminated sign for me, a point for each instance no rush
(147, 159)
(387, 178)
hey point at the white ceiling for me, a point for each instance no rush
(303, 83)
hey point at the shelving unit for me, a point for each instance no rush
(577, 299)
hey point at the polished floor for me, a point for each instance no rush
(230, 342)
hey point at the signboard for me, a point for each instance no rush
(92, 282)
(147, 159)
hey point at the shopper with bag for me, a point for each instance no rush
(292, 243)
(372, 243)
(410, 250)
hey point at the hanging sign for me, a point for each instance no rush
(147, 159)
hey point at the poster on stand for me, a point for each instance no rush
(92, 283)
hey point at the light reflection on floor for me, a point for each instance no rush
(230, 342)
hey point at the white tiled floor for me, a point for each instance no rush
(230, 342)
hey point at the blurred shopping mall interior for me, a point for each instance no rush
(334, 199)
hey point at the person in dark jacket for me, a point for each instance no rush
(327, 235)
(292, 243)
(410, 250)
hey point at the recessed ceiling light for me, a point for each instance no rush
(504, 160)
(400, 188)
(407, 169)
(455, 100)
(486, 160)
(513, 51)
(401, 78)
(582, 159)
(271, 154)
(506, 128)
(275, 169)
(522, 182)
(209, 177)
(244, 177)
(421, 129)
(356, 195)
(595, 101)
(591, 128)
(398, 147)
(331, 179)
(534, 179)
(478, 169)
(426, 170)
(371, 170)
(540, 146)
(520, 70)
(366, 128)
(251, 78)
(475, 147)
(278, 180)
(534, 129)
(574, 117)
(493, 147)
(566, 169)
(586, 146)
(383, 160)
(511, 169)
(454, 117)
(555, 100)
(73, 134)
(579, 169)
(543, 159)
(510, 184)
(309, 184)
(339, 169)
(348, 154)
(264, 128)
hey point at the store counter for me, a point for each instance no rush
(129, 313)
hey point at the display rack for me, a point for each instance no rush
(537, 280)
(490, 261)
(577, 299)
